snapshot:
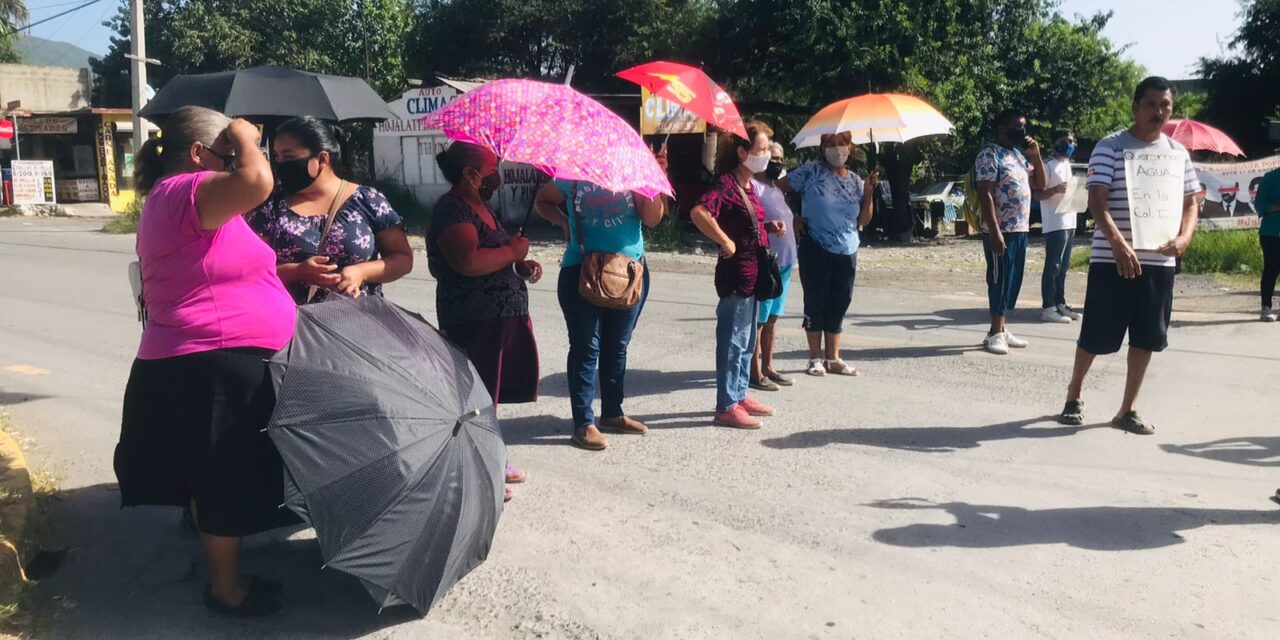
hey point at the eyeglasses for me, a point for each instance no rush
(228, 160)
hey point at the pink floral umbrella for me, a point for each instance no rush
(556, 129)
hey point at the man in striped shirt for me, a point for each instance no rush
(1130, 291)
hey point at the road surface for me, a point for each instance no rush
(933, 497)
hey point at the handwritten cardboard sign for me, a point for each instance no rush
(1154, 178)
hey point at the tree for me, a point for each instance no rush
(784, 61)
(363, 38)
(13, 14)
(543, 38)
(1244, 88)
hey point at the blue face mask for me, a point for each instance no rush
(1066, 149)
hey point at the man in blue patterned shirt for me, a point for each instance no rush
(1004, 178)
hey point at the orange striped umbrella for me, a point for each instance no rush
(875, 117)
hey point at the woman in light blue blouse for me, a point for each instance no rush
(833, 210)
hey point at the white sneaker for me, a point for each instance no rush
(997, 344)
(1269, 315)
(1069, 312)
(1051, 314)
(1014, 341)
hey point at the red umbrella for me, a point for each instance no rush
(690, 88)
(1198, 135)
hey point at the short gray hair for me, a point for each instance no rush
(775, 147)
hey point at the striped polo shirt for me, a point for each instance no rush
(1106, 168)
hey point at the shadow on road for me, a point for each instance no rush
(546, 429)
(639, 382)
(10, 398)
(1257, 451)
(928, 439)
(136, 573)
(854, 354)
(1093, 528)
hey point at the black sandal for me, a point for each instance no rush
(257, 603)
(1072, 413)
(1133, 424)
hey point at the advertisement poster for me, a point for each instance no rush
(33, 182)
(661, 116)
(1155, 180)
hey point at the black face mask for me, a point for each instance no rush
(774, 170)
(295, 175)
(489, 185)
(1018, 136)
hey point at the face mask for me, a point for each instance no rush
(837, 156)
(295, 175)
(489, 185)
(756, 162)
(775, 171)
(1017, 135)
(1066, 149)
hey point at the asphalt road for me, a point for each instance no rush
(932, 497)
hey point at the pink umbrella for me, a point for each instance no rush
(556, 129)
(1198, 135)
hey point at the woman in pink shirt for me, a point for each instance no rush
(199, 394)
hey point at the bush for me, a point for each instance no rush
(1235, 251)
(415, 214)
(126, 222)
(667, 236)
(1223, 252)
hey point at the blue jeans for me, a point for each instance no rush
(1004, 273)
(735, 343)
(598, 339)
(1057, 260)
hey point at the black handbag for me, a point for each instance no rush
(768, 273)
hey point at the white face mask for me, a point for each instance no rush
(757, 162)
(838, 155)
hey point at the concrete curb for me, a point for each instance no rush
(16, 496)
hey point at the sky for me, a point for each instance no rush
(1165, 36)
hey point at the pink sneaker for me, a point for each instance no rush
(755, 407)
(737, 418)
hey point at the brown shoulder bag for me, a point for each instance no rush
(608, 280)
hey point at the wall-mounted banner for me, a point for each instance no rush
(1230, 187)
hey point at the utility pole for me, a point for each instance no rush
(138, 62)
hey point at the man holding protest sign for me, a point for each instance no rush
(1142, 191)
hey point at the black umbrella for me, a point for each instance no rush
(391, 445)
(270, 92)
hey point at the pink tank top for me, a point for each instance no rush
(204, 289)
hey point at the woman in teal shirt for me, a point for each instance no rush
(1267, 204)
(598, 337)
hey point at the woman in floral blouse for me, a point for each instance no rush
(366, 245)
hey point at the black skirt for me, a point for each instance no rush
(192, 432)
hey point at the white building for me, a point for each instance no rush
(405, 152)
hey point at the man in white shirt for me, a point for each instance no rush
(1058, 223)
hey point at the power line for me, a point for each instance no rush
(52, 17)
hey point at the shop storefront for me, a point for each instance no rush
(91, 151)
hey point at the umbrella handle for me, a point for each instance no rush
(528, 214)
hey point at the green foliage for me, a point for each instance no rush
(416, 215)
(668, 236)
(1223, 252)
(362, 38)
(126, 222)
(1244, 86)
(1229, 252)
(13, 14)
